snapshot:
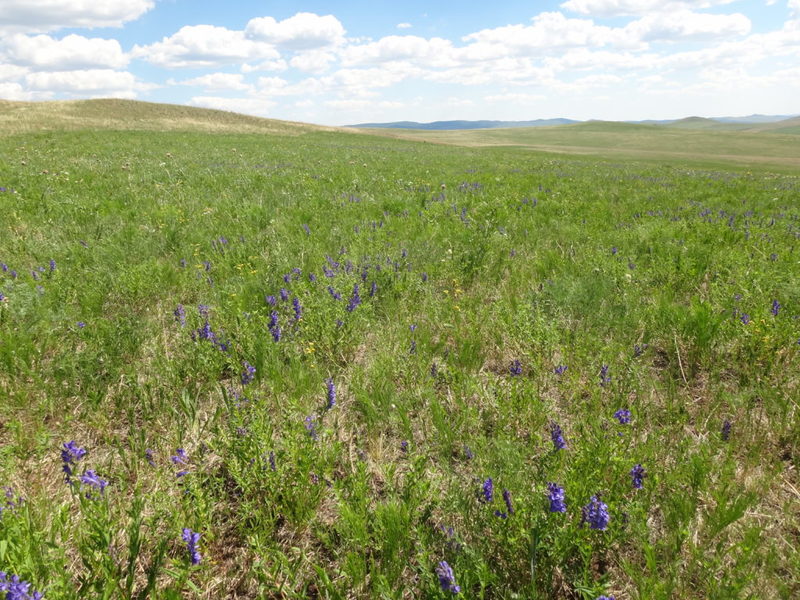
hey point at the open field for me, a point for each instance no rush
(342, 359)
(721, 144)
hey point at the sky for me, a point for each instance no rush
(337, 63)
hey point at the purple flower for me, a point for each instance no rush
(298, 308)
(507, 500)
(639, 350)
(180, 457)
(355, 299)
(500, 514)
(16, 589)
(745, 318)
(312, 278)
(605, 378)
(488, 490)
(91, 479)
(311, 427)
(637, 475)
(605, 598)
(81, 324)
(284, 294)
(331, 393)
(596, 514)
(203, 310)
(273, 319)
(373, 289)
(334, 294)
(776, 307)
(71, 453)
(52, 265)
(306, 229)
(180, 315)
(404, 446)
(725, 434)
(516, 368)
(613, 250)
(149, 456)
(560, 369)
(468, 453)
(272, 461)
(447, 578)
(424, 277)
(623, 415)
(270, 299)
(556, 497)
(249, 373)
(192, 539)
(557, 436)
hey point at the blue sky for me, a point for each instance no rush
(336, 63)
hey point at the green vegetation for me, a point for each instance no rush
(670, 290)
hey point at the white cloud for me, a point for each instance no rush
(251, 106)
(42, 52)
(616, 8)
(550, 33)
(687, 25)
(86, 83)
(50, 15)
(303, 31)
(312, 61)
(204, 46)
(9, 72)
(219, 81)
(794, 7)
(267, 65)
(404, 25)
(432, 52)
(10, 90)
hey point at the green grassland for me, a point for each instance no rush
(414, 277)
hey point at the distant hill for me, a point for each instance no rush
(721, 123)
(453, 125)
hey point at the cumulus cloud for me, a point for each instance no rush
(552, 32)
(50, 15)
(312, 61)
(404, 26)
(429, 52)
(204, 46)
(303, 31)
(687, 25)
(42, 52)
(219, 81)
(11, 90)
(617, 8)
(86, 83)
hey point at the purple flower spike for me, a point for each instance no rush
(596, 514)
(637, 475)
(91, 479)
(776, 307)
(331, 393)
(557, 436)
(556, 497)
(488, 490)
(515, 369)
(249, 373)
(507, 500)
(71, 453)
(447, 578)
(192, 539)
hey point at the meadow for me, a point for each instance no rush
(300, 363)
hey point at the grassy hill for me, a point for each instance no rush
(19, 117)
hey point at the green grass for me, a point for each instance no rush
(494, 254)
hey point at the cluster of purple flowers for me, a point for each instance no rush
(248, 374)
(447, 578)
(192, 540)
(355, 299)
(557, 436)
(776, 307)
(488, 490)
(725, 434)
(516, 368)
(71, 453)
(560, 369)
(556, 497)
(274, 328)
(10, 503)
(180, 315)
(180, 458)
(637, 475)
(623, 415)
(16, 589)
(596, 514)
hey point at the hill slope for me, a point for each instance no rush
(20, 117)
